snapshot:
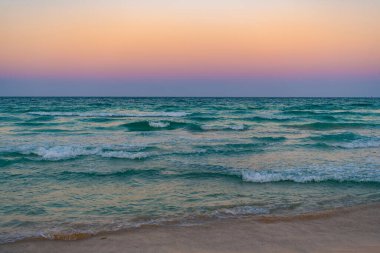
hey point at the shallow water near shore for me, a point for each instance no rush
(84, 165)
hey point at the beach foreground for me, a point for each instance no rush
(342, 230)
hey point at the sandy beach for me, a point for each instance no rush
(342, 230)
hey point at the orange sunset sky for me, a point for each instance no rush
(189, 39)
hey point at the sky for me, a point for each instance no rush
(190, 48)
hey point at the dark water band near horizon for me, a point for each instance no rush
(85, 165)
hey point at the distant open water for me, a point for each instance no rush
(84, 165)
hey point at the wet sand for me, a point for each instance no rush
(342, 230)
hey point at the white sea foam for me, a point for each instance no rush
(158, 124)
(62, 152)
(312, 175)
(360, 144)
(110, 114)
(237, 127)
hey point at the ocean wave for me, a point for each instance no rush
(110, 114)
(295, 175)
(236, 127)
(346, 136)
(327, 112)
(157, 125)
(268, 119)
(134, 152)
(63, 152)
(347, 140)
(312, 175)
(172, 125)
(316, 115)
(324, 117)
(321, 126)
(183, 174)
(123, 173)
(360, 144)
(52, 130)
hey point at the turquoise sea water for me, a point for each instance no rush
(87, 165)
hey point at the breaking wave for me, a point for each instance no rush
(293, 175)
(63, 152)
(312, 175)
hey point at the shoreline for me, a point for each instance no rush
(352, 229)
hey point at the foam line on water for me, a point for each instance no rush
(63, 152)
(312, 175)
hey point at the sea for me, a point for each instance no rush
(85, 165)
